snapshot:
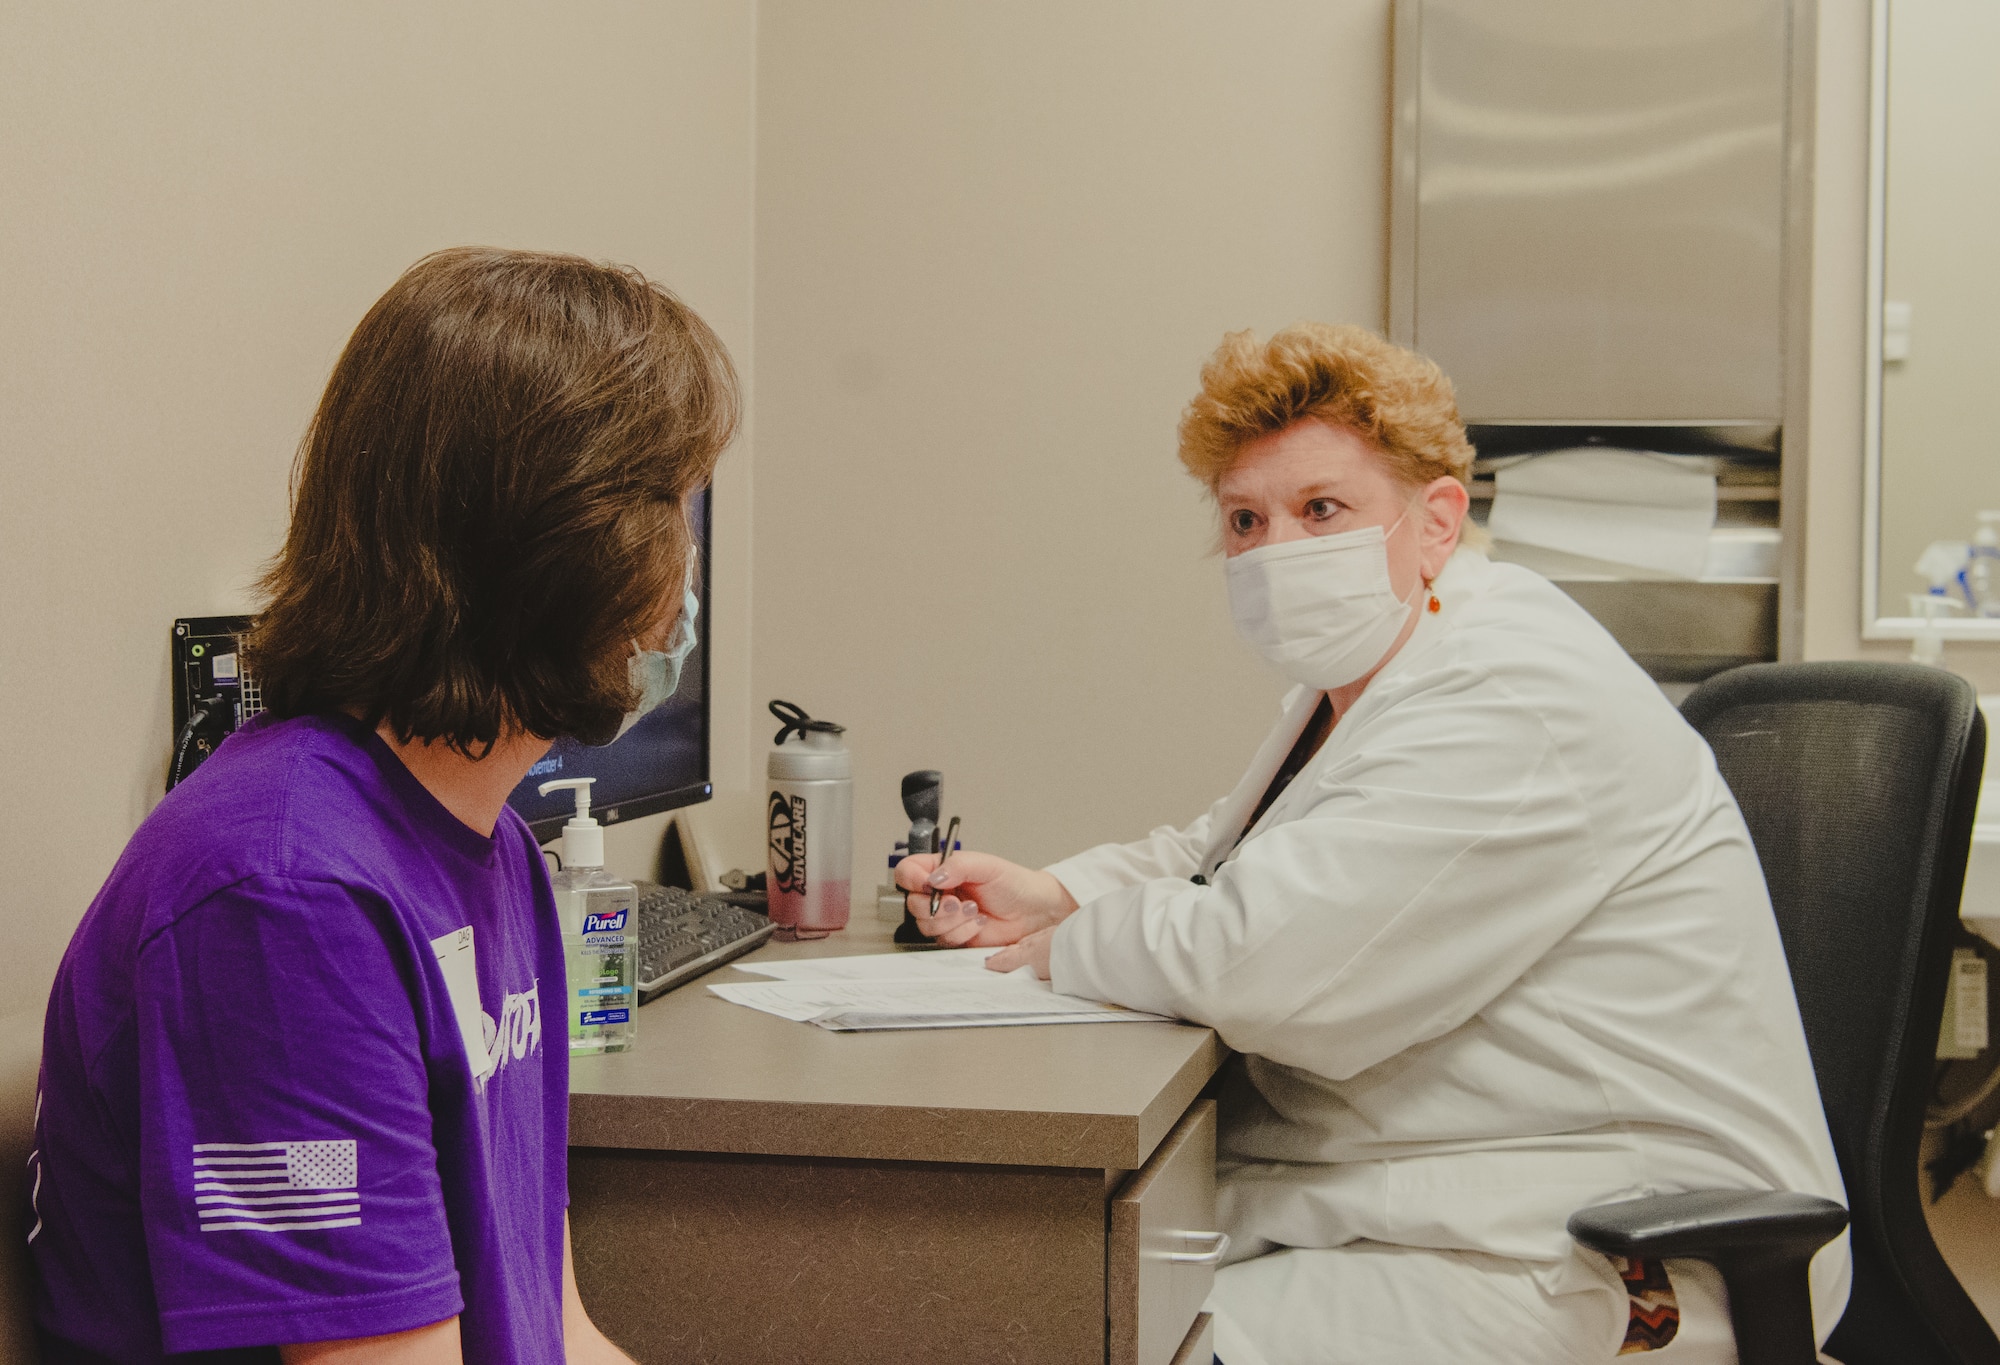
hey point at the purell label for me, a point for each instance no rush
(589, 1017)
(613, 923)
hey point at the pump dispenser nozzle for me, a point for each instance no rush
(583, 837)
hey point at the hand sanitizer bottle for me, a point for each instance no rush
(600, 935)
(1927, 645)
(1982, 567)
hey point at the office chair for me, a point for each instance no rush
(1859, 783)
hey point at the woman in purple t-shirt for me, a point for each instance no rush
(262, 1134)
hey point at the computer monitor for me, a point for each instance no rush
(659, 764)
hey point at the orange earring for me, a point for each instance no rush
(1435, 606)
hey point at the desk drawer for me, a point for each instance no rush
(1163, 1245)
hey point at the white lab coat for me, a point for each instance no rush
(1501, 951)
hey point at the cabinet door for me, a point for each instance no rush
(1592, 206)
(1164, 1245)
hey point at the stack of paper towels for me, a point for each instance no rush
(1625, 506)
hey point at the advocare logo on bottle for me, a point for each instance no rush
(788, 842)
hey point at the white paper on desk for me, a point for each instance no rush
(1626, 506)
(930, 965)
(969, 1002)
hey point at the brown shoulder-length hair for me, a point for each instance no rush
(491, 502)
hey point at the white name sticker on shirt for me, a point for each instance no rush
(461, 979)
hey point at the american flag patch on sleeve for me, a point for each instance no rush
(276, 1186)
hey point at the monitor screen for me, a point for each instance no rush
(660, 763)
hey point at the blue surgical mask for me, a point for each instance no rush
(656, 673)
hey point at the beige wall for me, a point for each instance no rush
(1834, 460)
(994, 244)
(200, 202)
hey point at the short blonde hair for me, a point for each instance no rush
(1397, 400)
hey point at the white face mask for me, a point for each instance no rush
(656, 673)
(1321, 610)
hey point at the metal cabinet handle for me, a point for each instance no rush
(1218, 1248)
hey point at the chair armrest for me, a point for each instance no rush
(1761, 1241)
(1712, 1225)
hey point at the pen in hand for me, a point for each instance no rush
(944, 851)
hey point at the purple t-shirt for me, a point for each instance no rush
(262, 1116)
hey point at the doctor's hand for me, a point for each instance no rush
(987, 901)
(1032, 951)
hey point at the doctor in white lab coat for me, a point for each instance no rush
(1481, 918)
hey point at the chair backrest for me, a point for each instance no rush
(1859, 783)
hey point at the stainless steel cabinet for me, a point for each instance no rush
(1588, 208)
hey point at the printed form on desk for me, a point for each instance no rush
(944, 989)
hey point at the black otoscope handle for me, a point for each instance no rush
(923, 798)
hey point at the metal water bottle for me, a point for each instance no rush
(809, 821)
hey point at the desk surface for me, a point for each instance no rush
(710, 1076)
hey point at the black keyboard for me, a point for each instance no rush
(682, 935)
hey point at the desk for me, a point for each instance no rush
(747, 1189)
